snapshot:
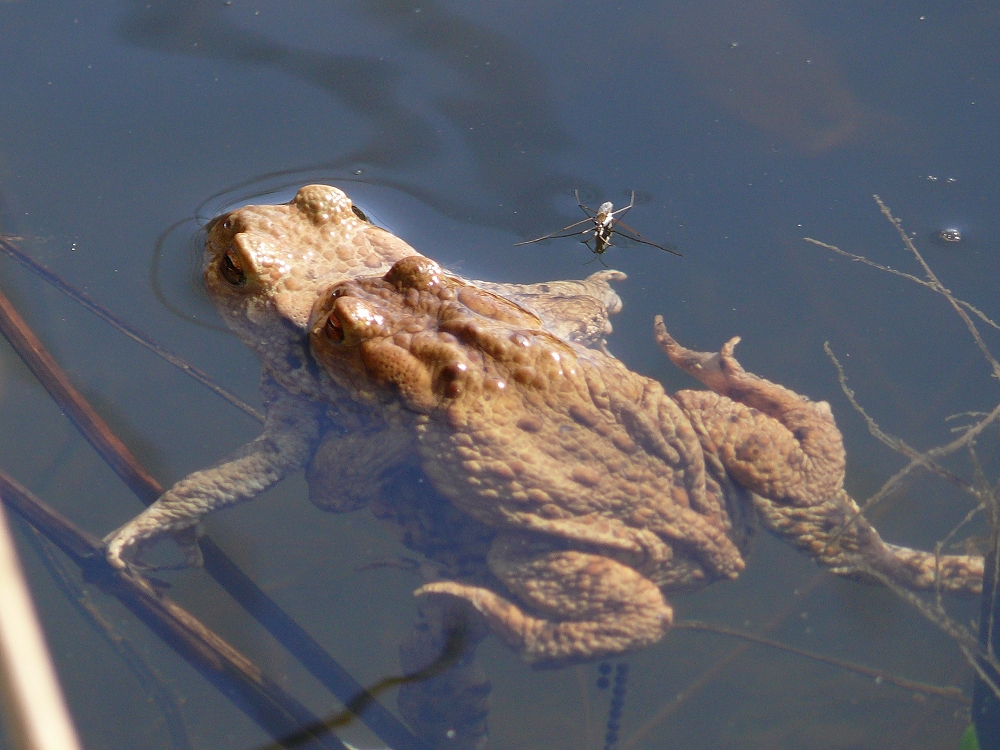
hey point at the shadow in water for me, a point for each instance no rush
(502, 114)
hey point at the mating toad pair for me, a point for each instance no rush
(596, 492)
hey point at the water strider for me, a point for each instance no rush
(606, 222)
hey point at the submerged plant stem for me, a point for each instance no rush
(980, 654)
(257, 603)
(136, 335)
(953, 694)
(236, 676)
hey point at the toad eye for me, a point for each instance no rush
(360, 214)
(232, 270)
(333, 329)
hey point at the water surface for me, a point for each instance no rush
(464, 128)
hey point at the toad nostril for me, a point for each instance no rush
(334, 330)
(231, 269)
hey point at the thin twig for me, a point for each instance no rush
(925, 459)
(980, 654)
(940, 288)
(953, 694)
(958, 632)
(46, 274)
(217, 564)
(908, 276)
(69, 399)
(891, 441)
(231, 672)
(917, 459)
(147, 676)
(711, 673)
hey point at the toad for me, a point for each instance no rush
(264, 267)
(604, 491)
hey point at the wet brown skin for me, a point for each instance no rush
(605, 492)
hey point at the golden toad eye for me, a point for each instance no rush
(334, 331)
(232, 270)
(360, 214)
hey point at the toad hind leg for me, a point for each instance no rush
(583, 606)
(838, 537)
(787, 450)
(770, 439)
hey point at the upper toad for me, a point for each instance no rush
(605, 491)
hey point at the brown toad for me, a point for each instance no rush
(605, 491)
(264, 267)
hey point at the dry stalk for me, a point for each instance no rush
(985, 496)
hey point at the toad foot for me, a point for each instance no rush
(604, 607)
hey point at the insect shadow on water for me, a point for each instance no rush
(606, 223)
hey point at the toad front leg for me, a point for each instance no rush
(291, 431)
(787, 450)
(581, 605)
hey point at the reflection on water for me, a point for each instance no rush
(497, 105)
(759, 62)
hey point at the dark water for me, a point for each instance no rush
(742, 126)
